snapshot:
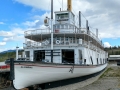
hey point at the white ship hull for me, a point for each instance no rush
(31, 74)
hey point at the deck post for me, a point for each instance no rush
(52, 31)
(12, 69)
(87, 27)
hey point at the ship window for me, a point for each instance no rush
(58, 38)
(97, 61)
(62, 16)
(73, 40)
(66, 39)
(80, 56)
(66, 26)
(62, 26)
(101, 60)
(71, 27)
(70, 40)
(57, 26)
(39, 55)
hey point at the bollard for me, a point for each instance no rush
(12, 69)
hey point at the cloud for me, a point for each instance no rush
(2, 23)
(32, 23)
(101, 14)
(42, 4)
(15, 34)
(107, 44)
(2, 43)
(6, 33)
(7, 39)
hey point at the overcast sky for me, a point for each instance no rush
(17, 16)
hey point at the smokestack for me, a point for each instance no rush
(69, 5)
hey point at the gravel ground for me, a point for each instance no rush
(107, 83)
(110, 80)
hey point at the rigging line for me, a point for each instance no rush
(77, 14)
(76, 21)
(83, 16)
(49, 5)
(60, 3)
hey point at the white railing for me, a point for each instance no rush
(63, 28)
(37, 32)
(33, 44)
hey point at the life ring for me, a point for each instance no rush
(57, 41)
(46, 42)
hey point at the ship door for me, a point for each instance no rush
(80, 56)
(39, 55)
(68, 56)
(27, 53)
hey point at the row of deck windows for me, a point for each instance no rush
(70, 39)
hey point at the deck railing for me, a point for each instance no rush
(33, 44)
(37, 32)
(63, 28)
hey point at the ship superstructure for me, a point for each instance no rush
(74, 43)
(60, 51)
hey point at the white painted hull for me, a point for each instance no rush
(31, 74)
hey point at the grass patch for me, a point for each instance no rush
(106, 72)
(111, 72)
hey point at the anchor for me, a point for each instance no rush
(71, 69)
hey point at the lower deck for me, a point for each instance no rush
(68, 55)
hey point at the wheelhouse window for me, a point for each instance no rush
(63, 16)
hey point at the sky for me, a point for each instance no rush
(18, 16)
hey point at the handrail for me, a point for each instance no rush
(63, 28)
(33, 44)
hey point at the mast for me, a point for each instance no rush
(51, 30)
(79, 19)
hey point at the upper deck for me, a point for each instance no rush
(63, 30)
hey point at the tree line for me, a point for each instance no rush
(115, 50)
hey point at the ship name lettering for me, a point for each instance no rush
(26, 67)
